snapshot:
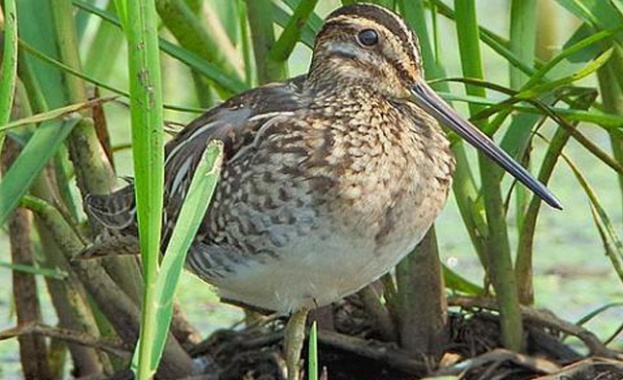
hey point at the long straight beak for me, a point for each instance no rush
(428, 100)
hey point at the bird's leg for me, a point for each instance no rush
(294, 337)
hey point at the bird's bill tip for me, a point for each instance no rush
(430, 102)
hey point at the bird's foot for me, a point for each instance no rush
(294, 337)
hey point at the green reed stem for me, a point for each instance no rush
(192, 35)
(523, 19)
(147, 137)
(8, 75)
(463, 183)
(93, 175)
(281, 50)
(498, 248)
(611, 90)
(259, 14)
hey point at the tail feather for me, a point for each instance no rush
(116, 211)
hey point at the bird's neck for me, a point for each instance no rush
(328, 75)
(336, 75)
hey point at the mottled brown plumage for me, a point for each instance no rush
(329, 179)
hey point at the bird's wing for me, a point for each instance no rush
(235, 122)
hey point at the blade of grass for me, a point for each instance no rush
(229, 83)
(612, 97)
(523, 26)
(203, 66)
(8, 75)
(613, 245)
(524, 257)
(213, 46)
(191, 214)
(524, 262)
(94, 174)
(35, 155)
(282, 17)
(314, 23)
(585, 71)
(108, 39)
(57, 274)
(148, 151)
(36, 27)
(457, 283)
(282, 48)
(56, 114)
(245, 44)
(598, 14)
(605, 120)
(312, 350)
(497, 43)
(522, 37)
(463, 183)
(586, 318)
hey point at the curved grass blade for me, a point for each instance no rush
(458, 283)
(56, 113)
(559, 115)
(612, 243)
(590, 68)
(40, 148)
(598, 14)
(594, 116)
(37, 28)
(192, 212)
(55, 273)
(45, 58)
(571, 50)
(211, 71)
(596, 312)
(262, 29)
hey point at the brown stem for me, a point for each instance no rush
(35, 329)
(395, 358)
(113, 302)
(372, 303)
(423, 309)
(33, 350)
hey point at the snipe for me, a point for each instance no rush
(329, 179)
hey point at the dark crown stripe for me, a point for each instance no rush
(382, 17)
(375, 14)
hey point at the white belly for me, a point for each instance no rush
(315, 271)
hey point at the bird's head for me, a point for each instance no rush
(367, 45)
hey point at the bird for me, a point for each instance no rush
(328, 179)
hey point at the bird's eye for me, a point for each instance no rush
(368, 37)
